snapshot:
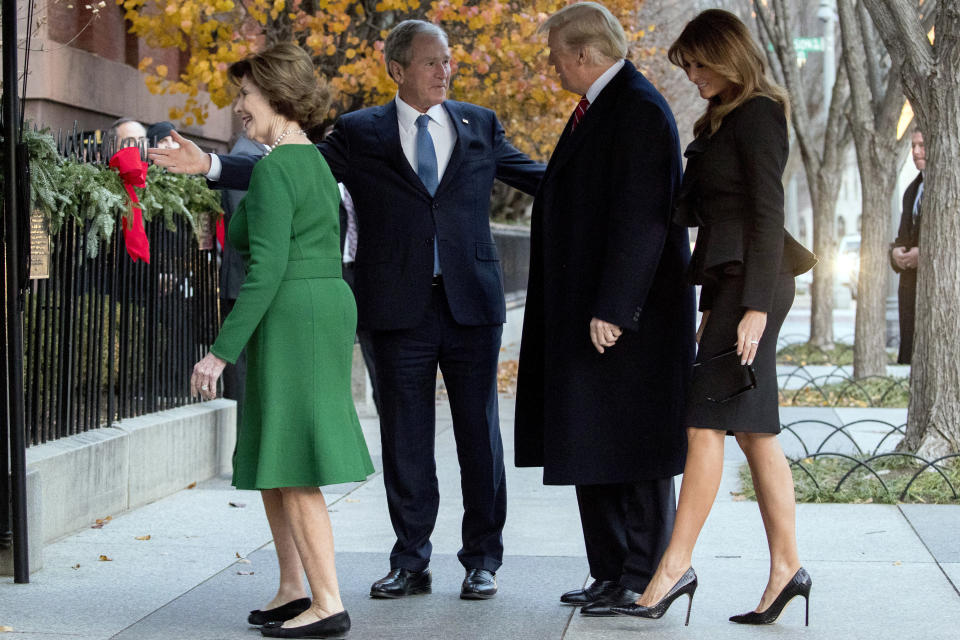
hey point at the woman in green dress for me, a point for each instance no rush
(297, 318)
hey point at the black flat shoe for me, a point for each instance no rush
(589, 595)
(402, 582)
(279, 614)
(617, 596)
(687, 584)
(479, 584)
(335, 626)
(799, 585)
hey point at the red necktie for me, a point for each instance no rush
(578, 112)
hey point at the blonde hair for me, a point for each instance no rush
(285, 75)
(588, 24)
(719, 41)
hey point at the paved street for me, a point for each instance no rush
(879, 571)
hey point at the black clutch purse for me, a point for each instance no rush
(722, 378)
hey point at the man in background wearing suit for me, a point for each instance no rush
(608, 335)
(429, 290)
(905, 251)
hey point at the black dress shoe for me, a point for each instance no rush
(580, 597)
(335, 626)
(279, 614)
(401, 582)
(479, 584)
(615, 597)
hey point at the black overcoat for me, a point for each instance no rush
(908, 237)
(602, 245)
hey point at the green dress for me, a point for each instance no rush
(297, 318)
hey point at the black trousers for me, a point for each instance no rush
(363, 337)
(626, 528)
(234, 375)
(407, 363)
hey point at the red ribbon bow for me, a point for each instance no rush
(133, 172)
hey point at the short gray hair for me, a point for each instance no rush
(588, 24)
(112, 131)
(400, 40)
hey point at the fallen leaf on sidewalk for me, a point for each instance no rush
(104, 558)
(243, 561)
(76, 566)
(237, 505)
(244, 573)
(5, 629)
(100, 522)
(237, 553)
(146, 537)
(350, 500)
(191, 485)
(897, 563)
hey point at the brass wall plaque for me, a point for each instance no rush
(39, 246)
(205, 231)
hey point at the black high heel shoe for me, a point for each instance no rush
(687, 584)
(799, 585)
(279, 614)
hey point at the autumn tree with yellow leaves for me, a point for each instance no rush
(499, 60)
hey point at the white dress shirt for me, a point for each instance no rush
(441, 129)
(604, 79)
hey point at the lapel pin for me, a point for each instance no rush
(465, 121)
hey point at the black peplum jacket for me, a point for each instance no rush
(733, 191)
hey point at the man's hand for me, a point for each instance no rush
(187, 159)
(911, 259)
(603, 334)
(898, 254)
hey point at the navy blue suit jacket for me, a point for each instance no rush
(397, 218)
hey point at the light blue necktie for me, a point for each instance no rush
(427, 170)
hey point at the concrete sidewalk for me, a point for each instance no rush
(879, 571)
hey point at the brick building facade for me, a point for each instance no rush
(83, 68)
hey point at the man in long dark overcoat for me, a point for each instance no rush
(608, 334)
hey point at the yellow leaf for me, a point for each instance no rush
(104, 558)
(162, 70)
(146, 537)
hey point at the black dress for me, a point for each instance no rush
(744, 258)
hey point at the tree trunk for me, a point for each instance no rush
(874, 134)
(931, 80)
(824, 203)
(933, 425)
(870, 328)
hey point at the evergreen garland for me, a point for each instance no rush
(95, 197)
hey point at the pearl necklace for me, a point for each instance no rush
(284, 135)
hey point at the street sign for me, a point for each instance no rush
(808, 44)
(803, 45)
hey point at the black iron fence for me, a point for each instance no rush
(103, 337)
(107, 338)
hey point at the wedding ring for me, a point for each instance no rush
(204, 388)
(754, 342)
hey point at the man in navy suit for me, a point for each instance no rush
(429, 290)
(608, 337)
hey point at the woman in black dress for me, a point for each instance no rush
(746, 263)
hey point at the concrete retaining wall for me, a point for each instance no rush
(73, 481)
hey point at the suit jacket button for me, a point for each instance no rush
(436, 205)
